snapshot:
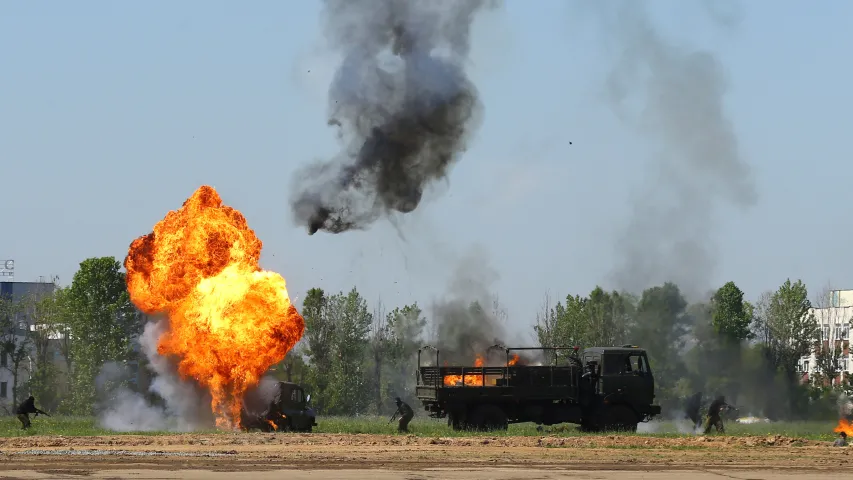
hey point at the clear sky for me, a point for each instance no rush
(113, 113)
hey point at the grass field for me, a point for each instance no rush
(85, 426)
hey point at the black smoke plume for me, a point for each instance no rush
(403, 104)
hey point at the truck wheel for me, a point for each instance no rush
(489, 417)
(620, 418)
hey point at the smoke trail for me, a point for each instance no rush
(403, 126)
(671, 235)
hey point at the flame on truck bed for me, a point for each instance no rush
(476, 379)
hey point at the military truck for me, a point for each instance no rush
(287, 411)
(604, 388)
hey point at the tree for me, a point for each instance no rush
(103, 324)
(49, 318)
(352, 324)
(601, 319)
(319, 338)
(405, 328)
(793, 329)
(827, 366)
(607, 318)
(731, 316)
(380, 347)
(546, 324)
(660, 325)
(14, 340)
(833, 328)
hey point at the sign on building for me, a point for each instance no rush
(7, 270)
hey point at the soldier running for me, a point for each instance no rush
(714, 410)
(406, 413)
(25, 409)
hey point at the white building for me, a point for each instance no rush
(834, 321)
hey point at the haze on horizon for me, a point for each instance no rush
(112, 114)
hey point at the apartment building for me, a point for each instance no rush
(834, 321)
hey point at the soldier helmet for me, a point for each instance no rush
(397, 400)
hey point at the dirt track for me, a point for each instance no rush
(322, 456)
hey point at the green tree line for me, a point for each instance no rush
(355, 358)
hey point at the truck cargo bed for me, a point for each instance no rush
(446, 383)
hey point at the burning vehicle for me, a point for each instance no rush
(286, 411)
(604, 388)
(229, 320)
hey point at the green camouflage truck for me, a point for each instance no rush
(602, 388)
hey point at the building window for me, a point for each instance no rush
(844, 364)
(4, 360)
(806, 367)
(845, 331)
(3, 389)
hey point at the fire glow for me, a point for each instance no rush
(844, 426)
(473, 379)
(229, 321)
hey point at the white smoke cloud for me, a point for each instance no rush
(186, 406)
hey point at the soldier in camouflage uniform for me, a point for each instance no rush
(406, 414)
(714, 411)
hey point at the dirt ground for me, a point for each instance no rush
(325, 456)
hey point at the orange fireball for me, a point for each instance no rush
(229, 321)
(844, 426)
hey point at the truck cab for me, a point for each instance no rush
(289, 410)
(622, 376)
(293, 403)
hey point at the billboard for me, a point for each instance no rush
(7, 270)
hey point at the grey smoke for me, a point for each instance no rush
(470, 320)
(464, 325)
(121, 409)
(698, 166)
(403, 104)
(185, 405)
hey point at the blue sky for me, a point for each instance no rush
(112, 113)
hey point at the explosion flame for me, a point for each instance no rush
(229, 321)
(475, 379)
(844, 426)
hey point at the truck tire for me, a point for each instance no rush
(489, 417)
(620, 418)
